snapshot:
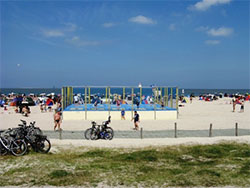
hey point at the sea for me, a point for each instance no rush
(145, 91)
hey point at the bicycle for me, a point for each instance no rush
(10, 144)
(100, 131)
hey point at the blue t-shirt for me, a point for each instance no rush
(123, 112)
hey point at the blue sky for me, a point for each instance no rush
(190, 44)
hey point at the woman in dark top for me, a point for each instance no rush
(136, 119)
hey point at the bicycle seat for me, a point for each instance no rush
(23, 121)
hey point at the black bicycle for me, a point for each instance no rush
(33, 137)
(100, 131)
(10, 144)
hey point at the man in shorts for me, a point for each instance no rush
(136, 120)
(57, 120)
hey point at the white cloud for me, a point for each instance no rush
(142, 20)
(108, 24)
(59, 32)
(53, 33)
(220, 32)
(172, 27)
(212, 42)
(206, 4)
(76, 41)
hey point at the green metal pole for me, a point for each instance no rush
(123, 94)
(171, 97)
(71, 98)
(165, 101)
(89, 96)
(140, 95)
(106, 96)
(161, 95)
(62, 98)
(167, 95)
(157, 95)
(68, 92)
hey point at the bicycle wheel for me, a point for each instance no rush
(87, 133)
(110, 129)
(18, 147)
(94, 134)
(109, 134)
(44, 145)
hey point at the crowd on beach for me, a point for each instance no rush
(52, 103)
(237, 99)
(21, 104)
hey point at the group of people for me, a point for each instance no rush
(239, 101)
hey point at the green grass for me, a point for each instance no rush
(222, 164)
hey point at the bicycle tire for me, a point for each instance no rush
(87, 134)
(18, 147)
(42, 146)
(109, 134)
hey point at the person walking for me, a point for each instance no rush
(122, 114)
(242, 106)
(57, 120)
(136, 119)
(234, 104)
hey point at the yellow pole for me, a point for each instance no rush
(71, 95)
(62, 98)
(89, 96)
(171, 97)
(177, 98)
(167, 95)
(65, 96)
(161, 95)
(68, 96)
(157, 95)
(123, 94)
(140, 94)
(165, 101)
(106, 96)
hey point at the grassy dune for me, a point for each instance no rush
(200, 165)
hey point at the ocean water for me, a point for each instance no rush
(145, 91)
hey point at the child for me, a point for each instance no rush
(123, 114)
(242, 106)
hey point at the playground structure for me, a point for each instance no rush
(97, 103)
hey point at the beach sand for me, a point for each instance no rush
(195, 116)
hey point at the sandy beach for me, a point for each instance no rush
(195, 116)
